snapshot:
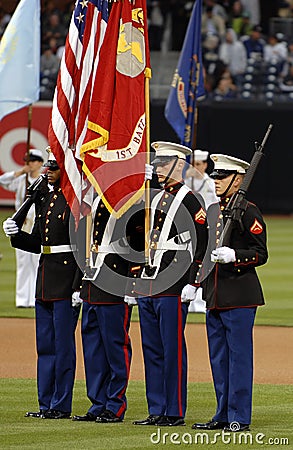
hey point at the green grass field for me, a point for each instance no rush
(272, 404)
(272, 419)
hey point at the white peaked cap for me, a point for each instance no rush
(163, 148)
(37, 153)
(200, 155)
(225, 162)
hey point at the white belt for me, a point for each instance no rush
(185, 243)
(47, 249)
(120, 247)
(183, 239)
(170, 246)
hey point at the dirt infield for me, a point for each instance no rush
(273, 352)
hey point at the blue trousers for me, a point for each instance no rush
(55, 336)
(231, 357)
(107, 356)
(162, 323)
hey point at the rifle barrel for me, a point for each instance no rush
(239, 196)
(265, 137)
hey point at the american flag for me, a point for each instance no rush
(73, 94)
(114, 147)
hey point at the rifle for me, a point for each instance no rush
(39, 187)
(236, 206)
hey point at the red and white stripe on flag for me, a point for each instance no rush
(73, 94)
(113, 151)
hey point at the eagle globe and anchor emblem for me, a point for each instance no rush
(131, 43)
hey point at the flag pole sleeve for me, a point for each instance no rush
(148, 161)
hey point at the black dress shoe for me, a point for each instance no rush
(170, 421)
(108, 417)
(150, 420)
(211, 425)
(55, 414)
(88, 417)
(39, 414)
(235, 427)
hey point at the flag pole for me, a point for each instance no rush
(29, 127)
(88, 240)
(193, 144)
(28, 140)
(148, 74)
(194, 136)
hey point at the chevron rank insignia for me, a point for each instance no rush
(256, 227)
(200, 216)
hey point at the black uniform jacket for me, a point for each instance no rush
(236, 284)
(177, 267)
(58, 274)
(110, 284)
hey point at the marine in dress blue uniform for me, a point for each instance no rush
(106, 318)
(164, 289)
(56, 318)
(233, 292)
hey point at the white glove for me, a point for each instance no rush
(10, 228)
(148, 172)
(131, 301)
(223, 255)
(76, 300)
(188, 293)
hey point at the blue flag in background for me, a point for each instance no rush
(20, 58)
(187, 84)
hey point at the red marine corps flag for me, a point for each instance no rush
(114, 147)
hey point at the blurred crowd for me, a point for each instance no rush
(242, 56)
